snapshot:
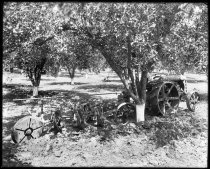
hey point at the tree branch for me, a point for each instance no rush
(129, 66)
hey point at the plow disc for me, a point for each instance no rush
(26, 128)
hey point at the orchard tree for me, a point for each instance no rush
(28, 29)
(186, 47)
(73, 53)
(130, 36)
(33, 59)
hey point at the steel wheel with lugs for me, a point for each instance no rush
(164, 98)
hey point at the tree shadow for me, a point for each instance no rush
(195, 81)
(10, 122)
(16, 91)
(45, 79)
(113, 80)
(66, 83)
(64, 74)
(203, 96)
(42, 79)
(9, 158)
(110, 87)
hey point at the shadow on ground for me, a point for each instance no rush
(7, 126)
(65, 83)
(195, 81)
(63, 74)
(16, 91)
(110, 87)
(42, 79)
(9, 159)
(203, 96)
(113, 80)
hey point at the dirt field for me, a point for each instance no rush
(136, 146)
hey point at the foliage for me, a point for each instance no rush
(128, 45)
(186, 47)
(27, 27)
(134, 38)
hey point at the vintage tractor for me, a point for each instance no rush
(163, 95)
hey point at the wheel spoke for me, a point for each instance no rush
(194, 99)
(161, 99)
(170, 89)
(19, 129)
(29, 123)
(164, 108)
(37, 127)
(173, 98)
(22, 139)
(169, 105)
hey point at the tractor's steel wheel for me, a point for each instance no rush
(191, 100)
(26, 128)
(167, 98)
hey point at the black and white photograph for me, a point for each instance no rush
(105, 84)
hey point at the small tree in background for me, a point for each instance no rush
(27, 31)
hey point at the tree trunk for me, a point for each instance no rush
(138, 96)
(140, 112)
(35, 77)
(71, 73)
(72, 81)
(140, 106)
(86, 75)
(35, 91)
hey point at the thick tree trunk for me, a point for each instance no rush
(138, 96)
(72, 81)
(140, 106)
(140, 112)
(35, 91)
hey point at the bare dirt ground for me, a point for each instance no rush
(122, 146)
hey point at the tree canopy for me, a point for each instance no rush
(132, 37)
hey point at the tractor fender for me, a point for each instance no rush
(124, 103)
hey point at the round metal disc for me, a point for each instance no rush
(26, 128)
